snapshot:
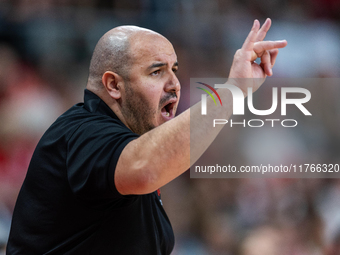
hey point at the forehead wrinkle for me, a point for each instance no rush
(156, 60)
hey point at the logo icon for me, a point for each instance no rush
(204, 97)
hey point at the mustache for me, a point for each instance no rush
(167, 97)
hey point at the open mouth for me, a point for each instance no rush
(168, 109)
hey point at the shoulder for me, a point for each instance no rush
(78, 120)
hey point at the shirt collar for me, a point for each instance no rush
(95, 104)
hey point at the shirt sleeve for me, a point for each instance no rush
(93, 153)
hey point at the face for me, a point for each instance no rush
(151, 94)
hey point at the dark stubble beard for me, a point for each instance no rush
(138, 112)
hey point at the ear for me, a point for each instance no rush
(112, 83)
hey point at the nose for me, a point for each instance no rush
(172, 84)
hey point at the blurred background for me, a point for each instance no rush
(45, 49)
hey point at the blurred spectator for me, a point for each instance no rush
(264, 240)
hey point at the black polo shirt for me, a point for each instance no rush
(69, 204)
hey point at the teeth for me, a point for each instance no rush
(167, 114)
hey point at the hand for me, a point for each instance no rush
(254, 47)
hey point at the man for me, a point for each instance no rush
(91, 187)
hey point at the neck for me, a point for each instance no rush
(113, 104)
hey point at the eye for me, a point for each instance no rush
(175, 70)
(156, 72)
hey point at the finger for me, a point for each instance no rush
(259, 53)
(273, 54)
(268, 45)
(263, 30)
(251, 38)
(266, 63)
(254, 56)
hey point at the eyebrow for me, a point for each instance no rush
(155, 65)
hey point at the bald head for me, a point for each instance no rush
(113, 53)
